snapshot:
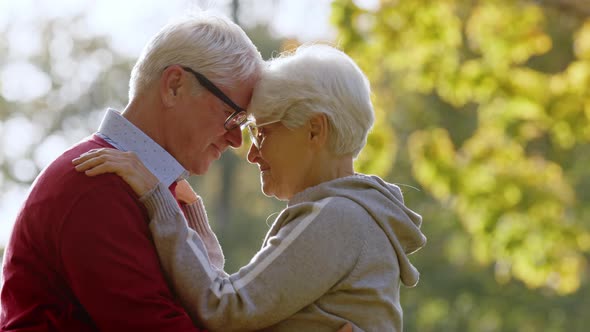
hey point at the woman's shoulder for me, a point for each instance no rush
(344, 206)
(333, 212)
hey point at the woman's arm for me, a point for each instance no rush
(196, 215)
(308, 252)
(128, 166)
(300, 263)
(197, 220)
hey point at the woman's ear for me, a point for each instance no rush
(318, 129)
(170, 83)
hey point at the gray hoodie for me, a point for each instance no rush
(335, 254)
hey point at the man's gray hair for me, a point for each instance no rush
(317, 79)
(209, 44)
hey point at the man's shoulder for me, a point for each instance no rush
(60, 193)
(91, 142)
(64, 160)
(60, 177)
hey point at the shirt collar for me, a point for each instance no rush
(125, 136)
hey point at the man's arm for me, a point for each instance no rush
(111, 264)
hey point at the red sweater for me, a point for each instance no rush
(81, 258)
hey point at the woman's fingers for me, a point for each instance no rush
(89, 155)
(96, 157)
(89, 161)
(87, 164)
(125, 164)
(185, 193)
(99, 152)
(82, 158)
(100, 168)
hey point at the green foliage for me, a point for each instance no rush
(380, 151)
(490, 111)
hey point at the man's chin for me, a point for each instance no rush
(200, 169)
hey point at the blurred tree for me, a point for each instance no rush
(81, 75)
(574, 7)
(486, 103)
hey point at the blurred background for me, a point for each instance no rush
(483, 119)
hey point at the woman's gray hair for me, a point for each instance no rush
(209, 44)
(317, 79)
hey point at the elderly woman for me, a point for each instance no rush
(336, 253)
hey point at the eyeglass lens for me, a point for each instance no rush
(254, 135)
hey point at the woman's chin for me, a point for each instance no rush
(269, 189)
(266, 190)
(272, 193)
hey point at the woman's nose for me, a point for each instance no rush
(253, 154)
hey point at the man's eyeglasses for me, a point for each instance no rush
(238, 118)
(255, 134)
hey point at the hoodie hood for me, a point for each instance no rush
(384, 202)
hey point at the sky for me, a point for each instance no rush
(129, 24)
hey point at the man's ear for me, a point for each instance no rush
(318, 129)
(170, 83)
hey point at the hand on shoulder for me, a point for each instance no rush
(125, 164)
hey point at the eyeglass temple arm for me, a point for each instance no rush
(214, 89)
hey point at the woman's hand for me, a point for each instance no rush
(125, 164)
(185, 193)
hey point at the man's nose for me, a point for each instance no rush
(234, 137)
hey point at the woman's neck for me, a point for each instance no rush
(333, 167)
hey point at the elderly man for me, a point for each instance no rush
(81, 257)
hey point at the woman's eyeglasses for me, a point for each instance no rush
(256, 135)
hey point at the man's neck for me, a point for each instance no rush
(143, 113)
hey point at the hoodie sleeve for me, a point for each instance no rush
(307, 255)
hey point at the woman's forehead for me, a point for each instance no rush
(259, 116)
